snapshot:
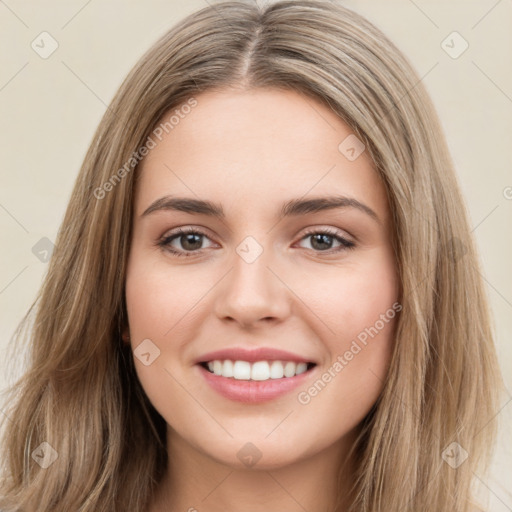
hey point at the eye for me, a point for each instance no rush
(190, 240)
(322, 240)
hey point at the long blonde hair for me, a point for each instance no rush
(80, 393)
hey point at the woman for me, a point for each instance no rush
(198, 347)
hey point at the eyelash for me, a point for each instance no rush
(165, 241)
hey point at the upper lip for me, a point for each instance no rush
(252, 355)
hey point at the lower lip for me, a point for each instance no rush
(253, 391)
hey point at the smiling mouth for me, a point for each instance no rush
(256, 371)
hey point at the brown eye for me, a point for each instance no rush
(322, 241)
(189, 241)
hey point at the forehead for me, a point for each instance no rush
(242, 146)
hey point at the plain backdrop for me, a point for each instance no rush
(51, 106)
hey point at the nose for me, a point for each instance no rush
(253, 293)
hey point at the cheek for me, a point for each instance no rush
(352, 299)
(365, 307)
(160, 301)
(369, 328)
(351, 381)
(159, 305)
(361, 308)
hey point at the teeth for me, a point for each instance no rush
(242, 370)
(301, 368)
(227, 368)
(260, 370)
(217, 367)
(289, 369)
(276, 370)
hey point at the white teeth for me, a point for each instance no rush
(301, 368)
(242, 370)
(276, 370)
(289, 369)
(217, 367)
(227, 368)
(259, 370)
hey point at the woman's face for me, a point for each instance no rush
(271, 278)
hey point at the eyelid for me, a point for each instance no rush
(311, 230)
(345, 242)
(165, 239)
(329, 230)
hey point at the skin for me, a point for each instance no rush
(251, 151)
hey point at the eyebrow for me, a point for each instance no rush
(291, 208)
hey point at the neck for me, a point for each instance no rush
(195, 482)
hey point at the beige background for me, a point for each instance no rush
(51, 107)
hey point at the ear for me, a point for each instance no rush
(126, 335)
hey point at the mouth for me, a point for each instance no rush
(253, 382)
(257, 370)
